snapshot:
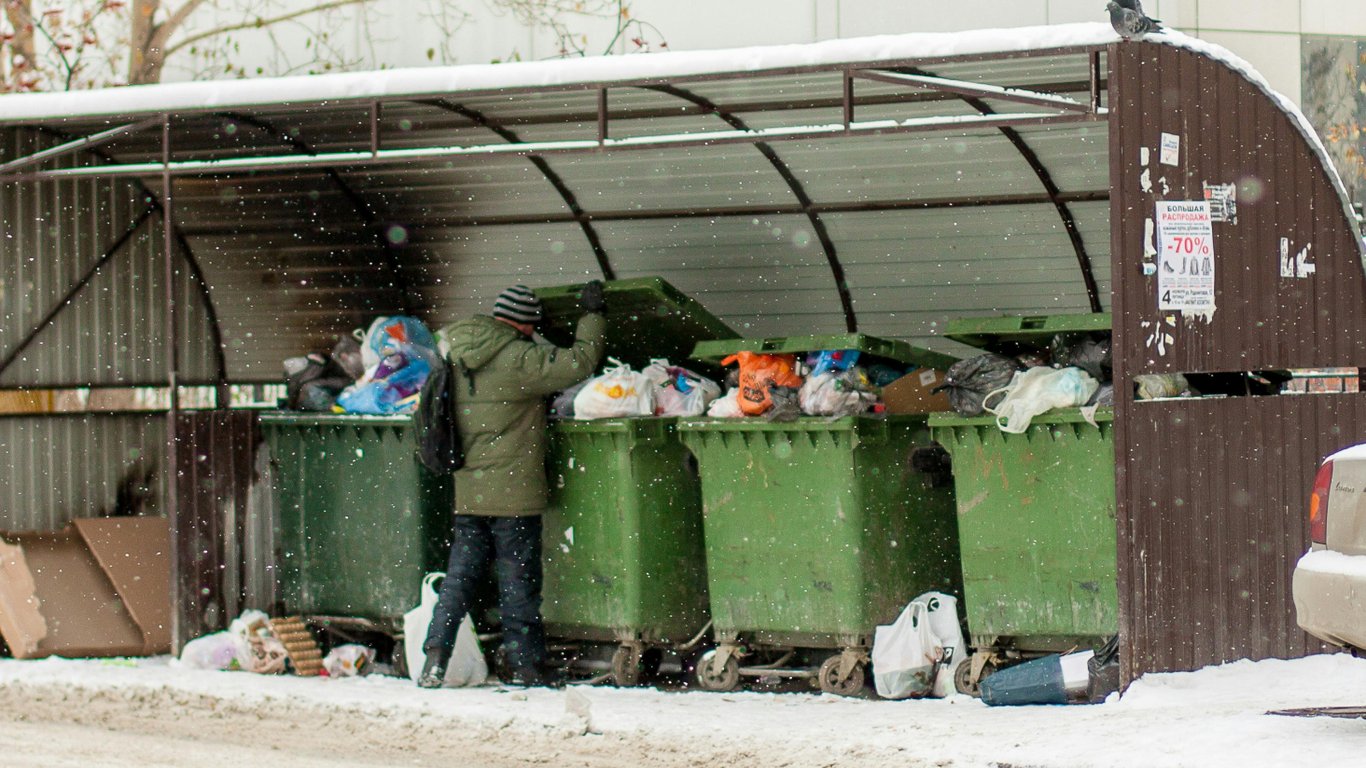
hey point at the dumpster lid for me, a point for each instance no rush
(1012, 335)
(887, 349)
(647, 318)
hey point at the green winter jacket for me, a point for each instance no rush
(502, 380)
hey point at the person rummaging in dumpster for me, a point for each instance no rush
(501, 381)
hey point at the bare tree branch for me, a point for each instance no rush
(258, 23)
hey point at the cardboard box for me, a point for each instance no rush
(911, 393)
(100, 587)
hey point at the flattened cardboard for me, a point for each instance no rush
(63, 594)
(135, 553)
(911, 393)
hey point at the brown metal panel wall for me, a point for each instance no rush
(1211, 492)
(216, 536)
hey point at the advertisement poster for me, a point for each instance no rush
(1185, 260)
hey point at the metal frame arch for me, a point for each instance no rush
(566, 194)
(794, 185)
(196, 271)
(1031, 159)
(359, 203)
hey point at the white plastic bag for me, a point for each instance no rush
(220, 650)
(1036, 391)
(618, 392)
(684, 393)
(467, 666)
(349, 660)
(948, 632)
(906, 655)
(826, 395)
(726, 406)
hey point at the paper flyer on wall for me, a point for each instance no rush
(1185, 274)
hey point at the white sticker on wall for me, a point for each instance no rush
(1185, 261)
(1171, 149)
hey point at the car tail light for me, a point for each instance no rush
(1318, 504)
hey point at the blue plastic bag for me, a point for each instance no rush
(391, 394)
(388, 335)
(831, 361)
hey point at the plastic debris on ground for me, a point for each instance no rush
(916, 655)
(349, 660)
(254, 642)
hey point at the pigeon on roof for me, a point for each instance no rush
(1128, 19)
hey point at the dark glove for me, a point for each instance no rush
(590, 299)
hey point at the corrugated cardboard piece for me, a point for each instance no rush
(911, 393)
(100, 587)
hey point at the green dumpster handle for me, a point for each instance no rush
(888, 349)
(1061, 416)
(995, 332)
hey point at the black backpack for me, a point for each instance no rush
(434, 425)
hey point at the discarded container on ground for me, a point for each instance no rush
(817, 531)
(1036, 515)
(623, 552)
(360, 521)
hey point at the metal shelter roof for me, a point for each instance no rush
(885, 185)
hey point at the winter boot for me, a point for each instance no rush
(433, 670)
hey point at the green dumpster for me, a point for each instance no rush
(623, 553)
(817, 531)
(359, 521)
(1036, 513)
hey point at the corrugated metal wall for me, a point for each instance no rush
(111, 332)
(1211, 493)
(60, 467)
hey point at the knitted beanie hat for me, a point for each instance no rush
(519, 305)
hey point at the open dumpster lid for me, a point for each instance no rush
(647, 318)
(887, 349)
(1012, 335)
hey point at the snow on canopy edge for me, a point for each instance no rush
(1242, 67)
(427, 81)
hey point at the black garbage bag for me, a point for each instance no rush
(968, 381)
(312, 382)
(1104, 672)
(1091, 355)
(786, 404)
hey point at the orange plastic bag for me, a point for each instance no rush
(758, 372)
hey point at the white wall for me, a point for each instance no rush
(400, 33)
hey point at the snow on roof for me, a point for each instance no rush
(541, 74)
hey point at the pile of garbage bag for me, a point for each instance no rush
(1073, 371)
(776, 387)
(378, 371)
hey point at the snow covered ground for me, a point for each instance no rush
(150, 713)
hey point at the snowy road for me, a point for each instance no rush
(80, 713)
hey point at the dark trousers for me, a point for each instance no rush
(514, 546)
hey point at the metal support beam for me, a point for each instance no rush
(123, 239)
(602, 116)
(976, 90)
(956, 123)
(76, 145)
(172, 341)
(798, 191)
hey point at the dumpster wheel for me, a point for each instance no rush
(847, 684)
(631, 663)
(724, 679)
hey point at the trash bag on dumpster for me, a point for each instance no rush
(968, 381)
(837, 394)
(1089, 354)
(312, 382)
(831, 361)
(562, 406)
(388, 335)
(1037, 391)
(680, 392)
(726, 406)
(618, 392)
(785, 404)
(390, 388)
(758, 373)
